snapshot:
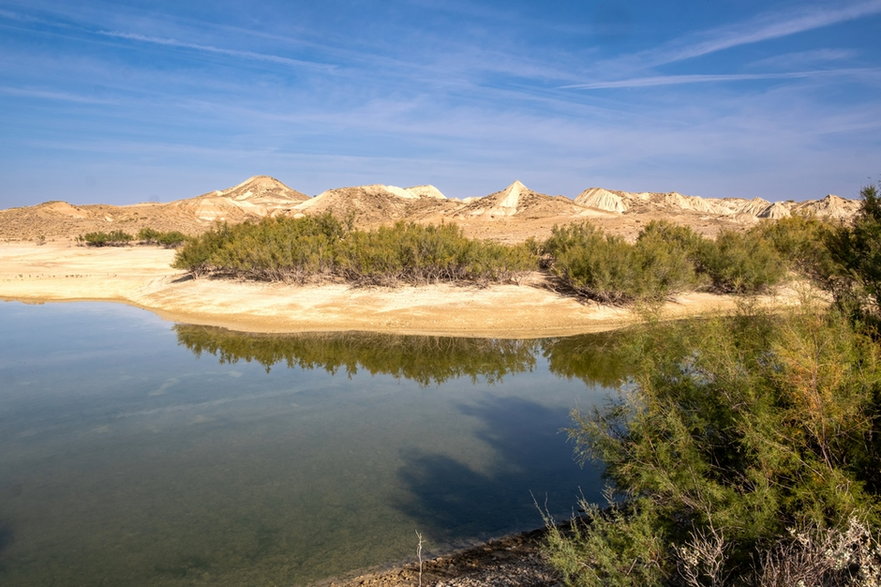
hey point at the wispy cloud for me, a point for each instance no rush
(252, 55)
(800, 59)
(673, 80)
(762, 28)
(52, 95)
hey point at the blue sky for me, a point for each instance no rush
(125, 101)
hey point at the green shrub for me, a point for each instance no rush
(321, 247)
(171, 239)
(425, 254)
(740, 263)
(731, 438)
(148, 235)
(196, 255)
(801, 242)
(608, 269)
(115, 238)
(856, 251)
(280, 249)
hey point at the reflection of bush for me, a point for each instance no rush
(604, 359)
(424, 359)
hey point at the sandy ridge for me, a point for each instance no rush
(142, 276)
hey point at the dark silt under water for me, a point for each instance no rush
(135, 452)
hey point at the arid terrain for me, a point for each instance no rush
(512, 214)
(40, 260)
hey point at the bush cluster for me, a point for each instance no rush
(741, 263)
(856, 252)
(115, 238)
(170, 239)
(146, 236)
(322, 247)
(664, 260)
(802, 243)
(609, 269)
(739, 433)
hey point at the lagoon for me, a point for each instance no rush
(139, 452)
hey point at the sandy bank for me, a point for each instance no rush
(142, 276)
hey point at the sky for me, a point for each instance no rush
(130, 101)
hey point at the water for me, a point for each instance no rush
(135, 452)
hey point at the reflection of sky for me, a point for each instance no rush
(184, 463)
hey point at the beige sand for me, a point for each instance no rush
(142, 276)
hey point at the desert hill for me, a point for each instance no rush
(260, 195)
(831, 206)
(511, 214)
(519, 200)
(376, 204)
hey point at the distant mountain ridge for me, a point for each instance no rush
(620, 202)
(262, 196)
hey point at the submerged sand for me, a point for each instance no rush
(142, 276)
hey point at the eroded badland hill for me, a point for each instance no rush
(510, 215)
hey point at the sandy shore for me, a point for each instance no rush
(142, 276)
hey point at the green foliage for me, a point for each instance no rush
(425, 254)
(321, 247)
(170, 240)
(148, 234)
(801, 242)
(608, 269)
(612, 547)
(741, 428)
(118, 238)
(115, 238)
(857, 252)
(196, 255)
(740, 263)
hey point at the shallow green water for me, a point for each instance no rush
(140, 453)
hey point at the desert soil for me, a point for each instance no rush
(142, 276)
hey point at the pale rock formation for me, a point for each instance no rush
(832, 207)
(776, 211)
(602, 199)
(427, 191)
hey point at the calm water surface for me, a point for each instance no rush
(140, 453)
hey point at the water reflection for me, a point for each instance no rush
(135, 463)
(604, 359)
(424, 359)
